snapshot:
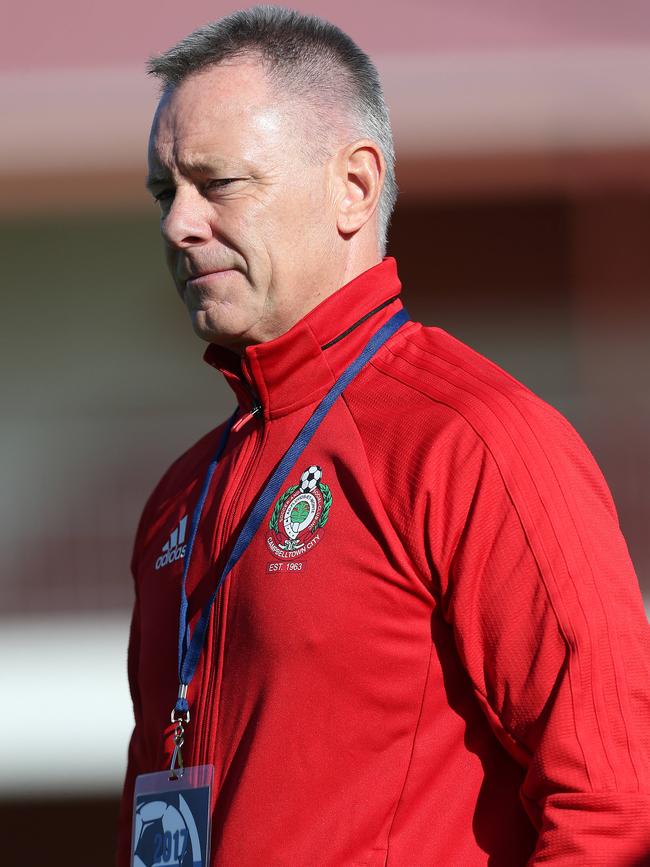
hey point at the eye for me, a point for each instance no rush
(219, 183)
(164, 196)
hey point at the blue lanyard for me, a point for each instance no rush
(190, 646)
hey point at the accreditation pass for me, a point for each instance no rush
(171, 818)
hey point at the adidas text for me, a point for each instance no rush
(174, 547)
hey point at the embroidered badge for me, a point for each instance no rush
(299, 515)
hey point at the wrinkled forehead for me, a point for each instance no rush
(230, 108)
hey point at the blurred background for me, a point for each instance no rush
(523, 225)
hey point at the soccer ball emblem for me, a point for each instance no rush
(299, 514)
(310, 478)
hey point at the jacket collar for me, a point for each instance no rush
(299, 367)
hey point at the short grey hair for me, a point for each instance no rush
(313, 58)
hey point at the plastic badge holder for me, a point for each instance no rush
(171, 818)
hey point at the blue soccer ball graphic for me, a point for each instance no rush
(165, 835)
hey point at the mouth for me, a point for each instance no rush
(207, 277)
(196, 275)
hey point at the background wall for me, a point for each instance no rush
(523, 140)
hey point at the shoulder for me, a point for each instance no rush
(446, 429)
(453, 402)
(441, 370)
(437, 366)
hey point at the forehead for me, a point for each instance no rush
(226, 112)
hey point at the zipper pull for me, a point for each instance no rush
(257, 407)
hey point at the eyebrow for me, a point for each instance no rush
(200, 165)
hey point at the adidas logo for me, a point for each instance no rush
(174, 547)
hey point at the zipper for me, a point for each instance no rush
(208, 710)
(257, 407)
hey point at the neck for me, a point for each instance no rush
(353, 268)
(339, 270)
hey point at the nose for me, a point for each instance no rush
(187, 222)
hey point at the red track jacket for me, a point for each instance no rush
(434, 650)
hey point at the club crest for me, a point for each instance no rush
(299, 516)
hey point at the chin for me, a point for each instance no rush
(219, 331)
(208, 332)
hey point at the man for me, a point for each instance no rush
(431, 647)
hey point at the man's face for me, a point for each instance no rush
(247, 219)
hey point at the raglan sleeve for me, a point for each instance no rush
(549, 623)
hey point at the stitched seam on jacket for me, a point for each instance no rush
(416, 568)
(408, 767)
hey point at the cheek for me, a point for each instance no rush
(255, 239)
(314, 211)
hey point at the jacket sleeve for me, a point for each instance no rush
(549, 623)
(136, 763)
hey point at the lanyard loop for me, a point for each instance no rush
(190, 646)
(176, 766)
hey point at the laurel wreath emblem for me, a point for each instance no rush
(327, 505)
(273, 523)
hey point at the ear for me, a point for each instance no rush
(361, 170)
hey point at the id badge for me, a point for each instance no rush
(171, 818)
